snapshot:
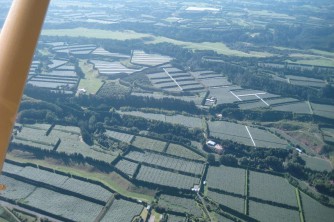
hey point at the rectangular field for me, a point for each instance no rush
(230, 131)
(35, 136)
(227, 179)
(70, 207)
(16, 190)
(314, 211)
(141, 58)
(149, 144)
(223, 94)
(166, 178)
(172, 163)
(323, 110)
(122, 210)
(179, 204)
(266, 139)
(127, 167)
(72, 143)
(271, 188)
(123, 137)
(235, 203)
(298, 107)
(178, 150)
(189, 121)
(266, 212)
(214, 82)
(316, 163)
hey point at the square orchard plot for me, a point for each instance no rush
(266, 212)
(271, 188)
(228, 179)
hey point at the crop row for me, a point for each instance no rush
(168, 162)
(179, 204)
(150, 144)
(181, 151)
(64, 182)
(124, 137)
(235, 203)
(70, 207)
(166, 178)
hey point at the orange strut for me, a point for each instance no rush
(18, 40)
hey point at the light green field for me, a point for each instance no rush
(219, 47)
(316, 58)
(270, 14)
(95, 33)
(90, 83)
(314, 62)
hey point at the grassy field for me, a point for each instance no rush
(316, 163)
(220, 48)
(112, 180)
(95, 33)
(91, 82)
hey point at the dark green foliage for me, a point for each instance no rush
(211, 158)
(228, 160)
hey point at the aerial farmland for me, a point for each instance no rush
(176, 111)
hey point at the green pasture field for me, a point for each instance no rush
(91, 82)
